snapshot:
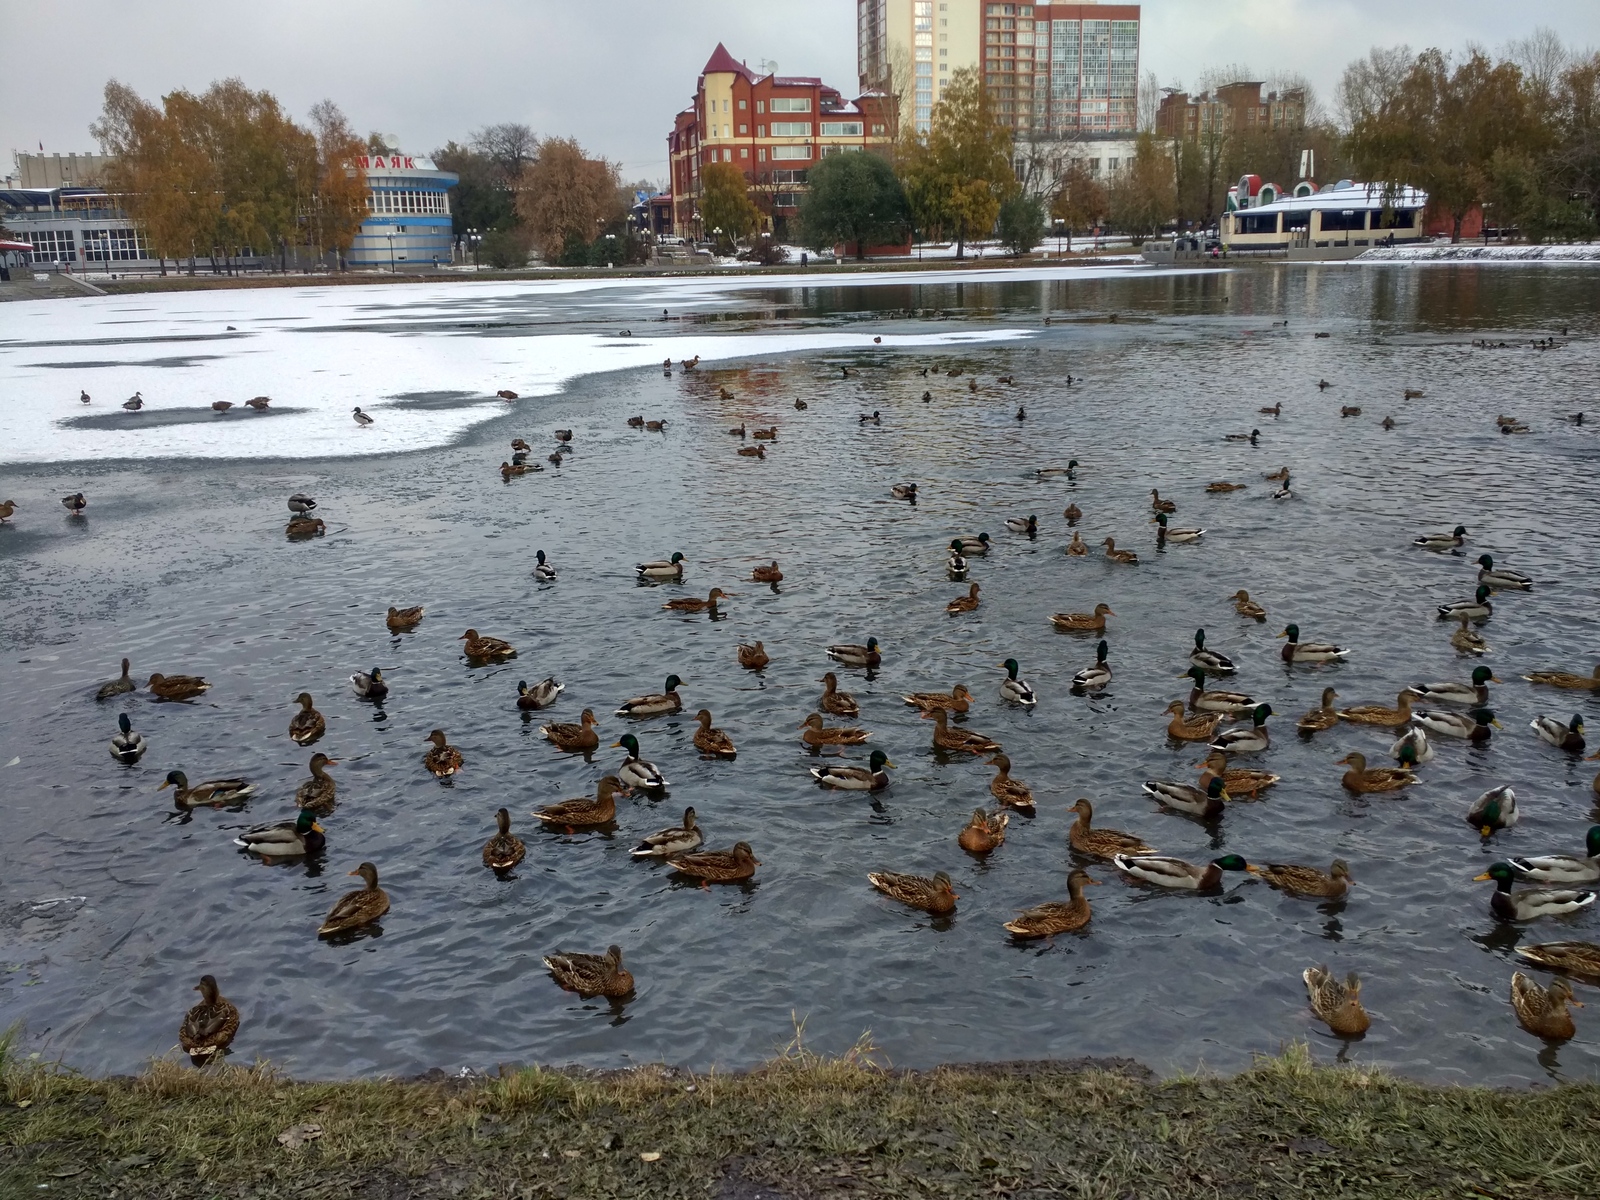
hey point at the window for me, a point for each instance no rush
(791, 104)
(782, 152)
(1293, 221)
(879, 130)
(761, 154)
(53, 245)
(761, 131)
(761, 106)
(1256, 222)
(114, 245)
(825, 151)
(1335, 221)
(785, 200)
(842, 128)
(741, 106)
(1113, 163)
(791, 129)
(796, 176)
(744, 151)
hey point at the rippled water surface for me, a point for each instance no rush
(112, 903)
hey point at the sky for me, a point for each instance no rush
(613, 74)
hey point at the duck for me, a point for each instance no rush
(1559, 679)
(1331, 884)
(1199, 729)
(360, 417)
(1223, 486)
(635, 772)
(1350, 410)
(304, 527)
(1563, 868)
(127, 747)
(287, 839)
(1157, 504)
(736, 431)
(444, 760)
(1337, 1005)
(1364, 780)
(712, 743)
(1575, 958)
(74, 504)
(176, 687)
(485, 649)
(1247, 741)
(508, 471)
(974, 545)
(718, 866)
(961, 740)
(1027, 525)
(662, 568)
(121, 684)
(753, 656)
(1530, 903)
(871, 778)
(1543, 1012)
(1163, 534)
(1476, 609)
(767, 574)
(963, 604)
(936, 896)
(694, 604)
(1083, 837)
(1210, 661)
(1098, 674)
(665, 701)
(1067, 472)
(1378, 714)
(541, 695)
(1094, 622)
(840, 704)
(1014, 688)
(1215, 701)
(1466, 640)
(370, 685)
(1012, 793)
(358, 908)
(215, 792)
(660, 426)
(1239, 781)
(401, 619)
(319, 793)
(985, 832)
(505, 849)
(1474, 725)
(800, 405)
(1167, 872)
(769, 434)
(1126, 557)
(957, 563)
(957, 700)
(1055, 916)
(852, 655)
(1077, 547)
(757, 451)
(1500, 577)
(1412, 747)
(1324, 716)
(1207, 803)
(1441, 541)
(307, 725)
(674, 840)
(1253, 437)
(902, 491)
(1281, 475)
(543, 569)
(599, 809)
(210, 1026)
(817, 734)
(591, 975)
(1476, 692)
(1286, 492)
(1246, 607)
(7, 507)
(1295, 650)
(1072, 513)
(1561, 736)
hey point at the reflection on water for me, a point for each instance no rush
(114, 903)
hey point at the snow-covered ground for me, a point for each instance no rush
(1477, 252)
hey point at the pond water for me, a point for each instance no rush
(112, 903)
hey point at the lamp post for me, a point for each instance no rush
(472, 244)
(390, 235)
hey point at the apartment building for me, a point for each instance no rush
(1237, 106)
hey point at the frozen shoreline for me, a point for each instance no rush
(1484, 254)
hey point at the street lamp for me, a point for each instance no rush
(390, 235)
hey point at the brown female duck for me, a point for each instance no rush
(1101, 843)
(505, 849)
(444, 760)
(591, 974)
(1012, 793)
(360, 907)
(712, 743)
(209, 1027)
(957, 700)
(176, 687)
(1307, 881)
(1338, 1005)
(307, 725)
(1054, 916)
(1363, 779)
(575, 739)
(1094, 622)
(1197, 729)
(985, 832)
(718, 866)
(318, 793)
(964, 740)
(936, 895)
(840, 704)
(818, 734)
(599, 809)
(485, 649)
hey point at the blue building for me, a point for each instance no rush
(408, 214)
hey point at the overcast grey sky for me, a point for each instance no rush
(611, 73)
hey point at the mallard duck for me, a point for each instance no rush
(769, 574)
(756, 451)
(215, 792)
(769, 434)
(591, 974)
(1015, 689)
(1199, 729)
(1285, 492)
(360, 907)
(504, 850)
(1158, 505)
(1476, 609)
(543, 569)
(900, 491)
(936, 895)
(871, 778)
(1222, 486)
(840, 704)
(299, 528)
(177, 687)
(1543, 1012)
(1207, 802)
(1027, 525)
(1097, 675)
(1530, 903)
(1209, 661)
(851, 655)
(508, 471)
(1164, 534)
(541, 695)
(818, 734)
(635, 772)
(575, 739)
(1500, 577)
(1202, 700)
(712, 742)
(1127, 557)
(1377, 714)
(985, 832)
(7, 507)
(973, 545)
(957, 563)
(320, 792)
(1100, 843)
(1475, 725)
(665, 701)
(75, 503)
(1167, 872)
(444, 760)
(1563, 868)
(1562, 736)
(361, 418)
(1055, 916)
(1337, 1005)
(286, 839)
(1246, 607)
(1560, 679)
(718, 866)
(401, 619)
(370, 685)
(478, 648)
(1307, 881)
(1278, 476)
(1297, 651)
(124, 683)
(1466, 639)
(209, 1027)
(1012, 793)
(958, 740)
(1077, 547)
(1575, 958)
(1247, 741)
(694, 604)
(1476, 692)
(665, 568)
(956, 700)
(127, 747)
(1239, 781)
(1094, 622)
(1324, 716)
(753, 657)
(674, 840)
(307, 725)
(599, 809)
(1412, 747)
(1441, 541)
(1363, 780)
(963, 604)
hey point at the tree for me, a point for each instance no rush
(959, 172)
(725, 204)
(340, 204)
(482, 198)
(564, 193)
(1082, 203)
(1143, 196)
(854, 198)
(510, 147)
(1021, 223)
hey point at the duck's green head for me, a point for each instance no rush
(1197, 674)
(1072, 465)
(1500, 872)
(1486, 562)
(1592, 842)
(872, 645)
(1103, 649)
(880, 760)
(305, 822)
(175, 779)
(539, 555)
(1012, 666)
(1199, 634)
(1576, 725)
(1263, 711)
(377, 674)
(677, 557)
(1483, 717)
(955, 546)
(1161, 520)
(1408, 755)
(1483, 592)
(1493, 810)
(1292, 632)
(123, 723)
(1460, 531)
(629, 743)
(673, 683)
(1230, 862)
(522, 687)
(1481, 676)
(984, 539)
(1214, 789)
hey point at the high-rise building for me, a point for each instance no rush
(1235, 107)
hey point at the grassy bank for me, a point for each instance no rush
(798, 1127)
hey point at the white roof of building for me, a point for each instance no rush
(1349, 195)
